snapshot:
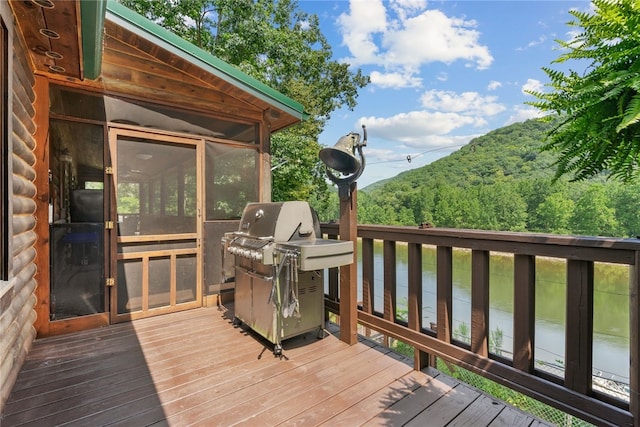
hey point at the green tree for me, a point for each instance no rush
(554, 213)
(457, 207)
(600, 129)
(502, 207)
(626, 202)
(593, 214)
(281, 45)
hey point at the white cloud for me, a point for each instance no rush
(464, 103)
(415, 127)
(394, 80)
(493, 85)
(366, 18)
(434, 37)
(520, 114)
(533, 85)
(406, 36)
(405, 8)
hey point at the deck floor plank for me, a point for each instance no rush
(196, 368)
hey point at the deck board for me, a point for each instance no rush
(197, 368)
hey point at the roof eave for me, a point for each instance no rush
(132, 21)
(92, 15)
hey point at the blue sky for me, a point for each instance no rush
(442, 72)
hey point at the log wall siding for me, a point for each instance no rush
(17, 313)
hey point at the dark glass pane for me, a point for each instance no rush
(186, 278)
(129, 282)
(231, 180)
(68, 102)
(77, 270)
(159, 282)
(159, 117)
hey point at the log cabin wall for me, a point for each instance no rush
(17, 297)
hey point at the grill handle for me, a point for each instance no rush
(254, 275)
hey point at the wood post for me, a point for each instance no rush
(349, 273)
(524, 318)
(480, 302)
(634, 341)
(579, 329)
(420, 358)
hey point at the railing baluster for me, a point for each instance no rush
(368, 279)
(420, 358)
(444, 292)
(390, 295)
(524, 297)
(333, 274)
(480, 302)
(579, 332)
(368, 292)
(634, 341)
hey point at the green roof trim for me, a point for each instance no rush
(142, 26)
(92, 14)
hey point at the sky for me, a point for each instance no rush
(442, 72)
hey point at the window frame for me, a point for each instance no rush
(5, 154)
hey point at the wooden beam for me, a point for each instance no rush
(41, 152)
(390, 285)
(524, 317)
(349, 272)
(368, 276)
(444, 292)
(480, 302)
(579, 326)
(420, 358)
(634, 342)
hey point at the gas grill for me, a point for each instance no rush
(279, 269)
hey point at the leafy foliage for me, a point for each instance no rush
(600, 108)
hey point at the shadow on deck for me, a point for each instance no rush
(196, 368)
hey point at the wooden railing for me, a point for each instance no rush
(573, 394)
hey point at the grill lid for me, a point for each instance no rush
(278, 221)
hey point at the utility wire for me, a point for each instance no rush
(409, 157)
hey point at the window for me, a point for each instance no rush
(4, 157)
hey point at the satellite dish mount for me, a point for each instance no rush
(342, 158)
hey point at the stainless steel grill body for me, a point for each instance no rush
(279, 269)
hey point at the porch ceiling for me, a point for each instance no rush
(142, 60)
(51, 32)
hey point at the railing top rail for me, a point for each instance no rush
(603, 249)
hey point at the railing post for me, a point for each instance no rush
(524, 317)
(444, 272)
(349, 273)
(634, 342)
(368, 283)
(579, 330)
(480, 302)
(333, 281)
(420, 358)
(390, 294)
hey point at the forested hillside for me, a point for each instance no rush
(501, 181)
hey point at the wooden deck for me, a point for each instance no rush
(196, 368)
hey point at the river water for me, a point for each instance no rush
(611, 305)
